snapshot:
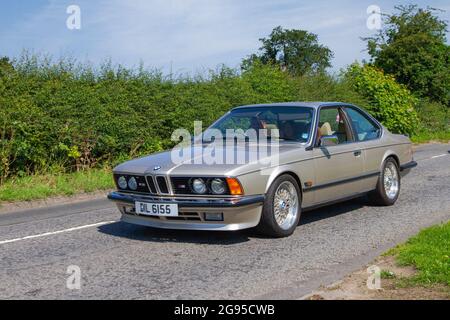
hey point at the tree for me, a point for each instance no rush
(296, 51)
(5, 66)
(412, 47)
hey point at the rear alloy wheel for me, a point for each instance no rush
(388, 186)
(282, 208)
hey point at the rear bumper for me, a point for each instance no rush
(238, 213)
(406, 168)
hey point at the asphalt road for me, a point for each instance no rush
(118, 260)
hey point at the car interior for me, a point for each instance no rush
(332, 121)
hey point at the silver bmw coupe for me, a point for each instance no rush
(262, 166)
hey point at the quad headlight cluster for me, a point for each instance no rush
(124, 184)
(216, 186)
(181, 185)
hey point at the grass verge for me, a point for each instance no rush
(429, 253)
(416, 270)
(427, 136)
(47, 185)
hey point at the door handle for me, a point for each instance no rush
(357, 153)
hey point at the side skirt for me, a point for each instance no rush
(328, 203)
(338, 182)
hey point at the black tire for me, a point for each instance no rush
(268, 225)
(379, 196)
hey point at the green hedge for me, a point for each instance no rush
(69, 116)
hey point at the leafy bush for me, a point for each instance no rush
(389, 102)
(434, 121)
(433, 116)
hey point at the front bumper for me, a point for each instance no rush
(238, 213)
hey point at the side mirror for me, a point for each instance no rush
(328, 141)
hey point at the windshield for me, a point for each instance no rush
(291, 123)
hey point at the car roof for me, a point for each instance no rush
(314, 105)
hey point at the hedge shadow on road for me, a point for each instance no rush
(141, 233)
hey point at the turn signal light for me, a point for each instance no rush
(235, 187)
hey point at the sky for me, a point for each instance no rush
(184, 36)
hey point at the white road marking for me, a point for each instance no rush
(434, 157)
(57, 232)
(441, 155)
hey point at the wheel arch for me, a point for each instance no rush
(390, 154)
(277, 174)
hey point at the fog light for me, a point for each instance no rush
(213, 216)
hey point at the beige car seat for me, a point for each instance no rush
(271, 130)
(325, 129)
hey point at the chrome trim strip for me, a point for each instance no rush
(193, 203)
(338, 182)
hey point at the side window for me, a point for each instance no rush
(364, 128)
(332, 122)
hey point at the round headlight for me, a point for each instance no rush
(132, 183)
(218, 186)
(199, 186)
(122, 182)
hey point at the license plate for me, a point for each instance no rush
(157, 209)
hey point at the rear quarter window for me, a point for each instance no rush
(365, 129)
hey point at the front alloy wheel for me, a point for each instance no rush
(281, 211)
(285, 205)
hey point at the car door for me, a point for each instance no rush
(367, 133)
(337, 167)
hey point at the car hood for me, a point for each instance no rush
(162, 163)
